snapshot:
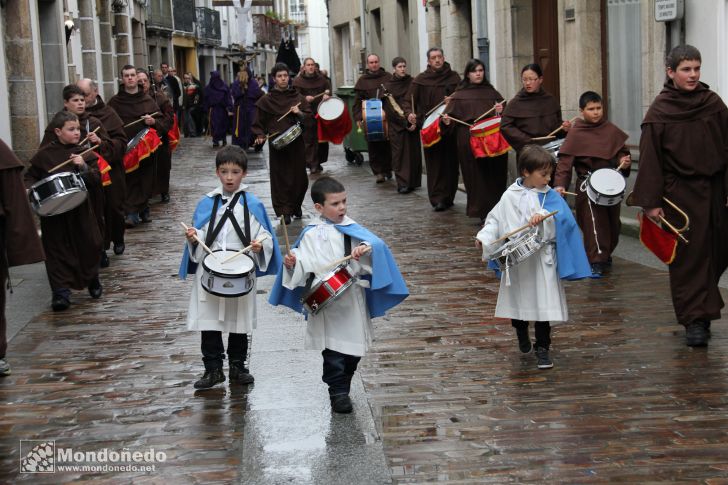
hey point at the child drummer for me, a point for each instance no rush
(593, 143)
(72, 240)
(229, 219)
(532, 289)
(342, 329)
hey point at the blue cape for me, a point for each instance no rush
(571, 258)
(202, 215)
(386, 289)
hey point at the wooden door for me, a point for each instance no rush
(546, 43)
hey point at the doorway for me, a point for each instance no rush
(546, 43)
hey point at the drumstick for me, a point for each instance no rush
(200, 242)
(412, 98)
(542, 138)
(342, 260)
(487, 112)
(569, 193)
(71, 159)
(140, 119)
(433, 109)
(285, 234)
(457, 120)
(245, 249)
(621, 164)
(288, 112)
(84, 140)
(562, 126)
(318, 96)
(526, 226)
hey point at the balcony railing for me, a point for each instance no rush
(298, 17)
(184, 15)
(159, 15)
(208, 26)
(267, 30)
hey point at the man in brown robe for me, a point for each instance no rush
(19, 241)
(369, 86)
(404, 139)
(593, 143)
(428, 90)
(133, 105)
(160, 92)
(114, 192)
(684, 158)
(71, 240)
(276, 112)
(311, 84)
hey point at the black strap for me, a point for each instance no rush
(212, 233)
(347, 252)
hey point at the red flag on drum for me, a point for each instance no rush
(173, 135)
(140, 147)
(486, 139)
(104, 168)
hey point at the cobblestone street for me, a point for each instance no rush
(444, 395)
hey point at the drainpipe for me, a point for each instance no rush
(363, 51)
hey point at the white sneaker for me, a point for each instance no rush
(4, 368)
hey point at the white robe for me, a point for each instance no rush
(344, 324)
(210, 312)
(535, 292)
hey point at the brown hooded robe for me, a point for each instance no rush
(369, 86)
(313, 86)
(404, 144)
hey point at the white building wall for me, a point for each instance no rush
(706, 22)
(5, 132)
(317, 34)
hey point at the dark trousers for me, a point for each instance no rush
(3, 321)
(213, 351)
(338, 370)
(322, 153)
(543, 331)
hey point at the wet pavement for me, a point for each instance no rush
(444, 395)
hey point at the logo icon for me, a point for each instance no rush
(37, 456)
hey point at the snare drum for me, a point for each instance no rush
(228, 279)
(605, 187)
(486, 139)
(517, 250)
(430, 132)
(334, 122)
(331, 286)
(331, 110)
(287, 137)
(375, 120)
(553, 148)
(143, 144)
(58, 193)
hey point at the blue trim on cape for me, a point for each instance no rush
(571, 258)
(387, 287)
(202, 215)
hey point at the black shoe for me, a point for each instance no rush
(442, 206)
(286, 220)
(210, 378)
(706, 326)
(524, 342)
(60, 303)
(696, 334)
(145, 215)
(4, 368)
(405, 190)
(380, 178)
(597, 269)
(119, 248)
(131, 220)
(543, 359)
(341, 404)
(95, 289)
(214, 145)
(239, 374)
(164, 198)
(224, 143)
(104, 262)
(298, 214)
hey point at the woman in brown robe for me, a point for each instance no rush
(485, 178)
(165, 122)
(71, 240)
(369, 86)
(288, 178)
(404, 139)
(131, 103)
(593, 143)
(532, 113)
(311, 83)
(684, 158)
(19, 241)
(429, 89)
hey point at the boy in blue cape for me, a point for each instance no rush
(342, 329)
(228, 219)
(532, 289)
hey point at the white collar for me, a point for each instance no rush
(320, 221)
(218, 191)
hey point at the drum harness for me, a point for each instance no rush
(213, 231)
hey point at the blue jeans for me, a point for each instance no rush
(338, 370)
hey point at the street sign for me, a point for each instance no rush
(669, 10)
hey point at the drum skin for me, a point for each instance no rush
(57, 193)
(605, 187)
(231, 279)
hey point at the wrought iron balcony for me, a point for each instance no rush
(184, 15)
(208, 26)
(159, 15)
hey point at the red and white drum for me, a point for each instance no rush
(331, 286)
(143, 144)
(430, 132)
(334, 122)
(486, 139)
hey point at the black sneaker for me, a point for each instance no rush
(95, 289)
(60, 303)
(696, 335)
(597, 269)
(145, 215)
(119, 248)
(104, 263)
(543, 359)
(210, 378)
(164, 198)
(239, 374)
(524, 342)
(706, 326)
(341, 404)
